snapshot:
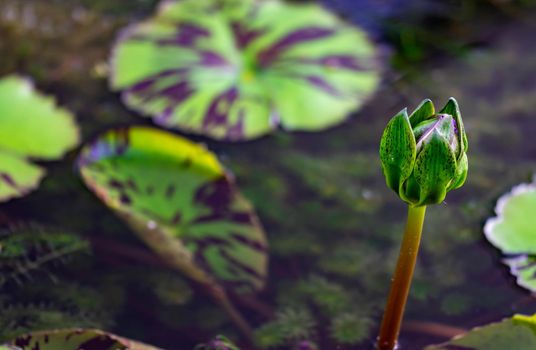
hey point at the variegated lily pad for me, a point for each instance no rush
(513, 231)
(237, 69)
(31, 126)
(74, 339)
(175, 194)
(518, 332)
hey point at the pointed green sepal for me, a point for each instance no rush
(453, 109)
(410, 192)
(435, 167)
(397, 150)
(423, 112)
(461, 173)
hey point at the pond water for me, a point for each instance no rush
(333, 226)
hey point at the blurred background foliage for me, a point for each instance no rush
(332, 224)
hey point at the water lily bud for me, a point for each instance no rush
(424, 155)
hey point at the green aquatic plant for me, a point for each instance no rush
(218, 343)
(37, 289)
(26, 250)
(237, 69)
(330, 298)
(350, 328)
(74, 339)
(17, 319)
(517, 332)
(178, 198)
(308, 305)
(32, 126)
(423, 157)
(290, 325)
(512, 231)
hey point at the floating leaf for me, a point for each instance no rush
(236, 69)
(75, 339)
(518, 332)
(175, 194)
(513, 232)
(31, 126)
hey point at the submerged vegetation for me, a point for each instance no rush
(313, 205)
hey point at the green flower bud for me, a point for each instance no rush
(424, 155)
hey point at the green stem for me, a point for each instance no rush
(401, 282)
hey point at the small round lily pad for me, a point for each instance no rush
(513, 231)
(237, 69)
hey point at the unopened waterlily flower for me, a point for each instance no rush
(424, 155)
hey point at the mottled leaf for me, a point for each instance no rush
(518, 332)
(75, 339)
(236, 69)
(160, 182)
(513, 232)
(31, 126)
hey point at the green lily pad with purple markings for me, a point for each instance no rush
(513, 231)
(31, 127)
(74, 339)
(158, 181)
(237, 69)
(518, 332)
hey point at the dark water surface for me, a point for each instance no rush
(333, 226)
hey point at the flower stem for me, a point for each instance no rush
(401, 282)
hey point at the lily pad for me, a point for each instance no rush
(31, 126)
(513, 231)
(75, 339)
(518, 332)
(237, 69)
(175, 195)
